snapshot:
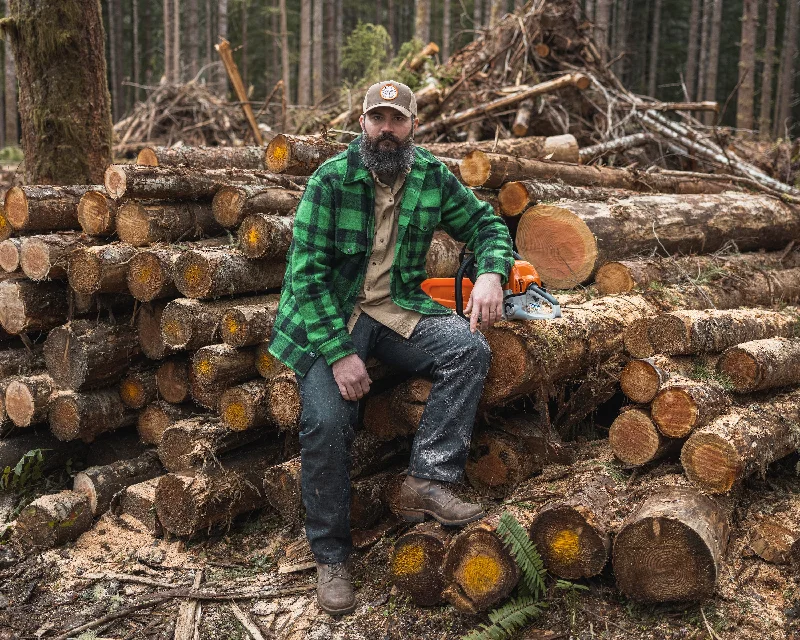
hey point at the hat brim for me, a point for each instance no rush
(397, 107)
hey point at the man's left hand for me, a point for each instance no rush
(485, 306)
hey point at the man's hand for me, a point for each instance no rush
(351, 375)
(486, 302)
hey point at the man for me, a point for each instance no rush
(352, 289)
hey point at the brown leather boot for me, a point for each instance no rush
(335, 589)
(419, 497)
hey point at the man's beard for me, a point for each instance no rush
(385, 161)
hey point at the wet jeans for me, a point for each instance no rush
(442, 348)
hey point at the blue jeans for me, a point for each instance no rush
(442, 348)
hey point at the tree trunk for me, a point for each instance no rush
(195, 442)
(318, 44)
(248, 158)
(620, 50)
(635, 439)
(747, 65)
(52, 520)
(101, 484)
(785, 94)
(53, 42)
(266, 236)
(137, 50)
(140, 225)
(560, 148)
(712, 331)
(415, 567)
(514, 198)
(477, 18)
(138, 387)
(27, 306)
(285, 69)
(177, 68)
(642, 379)
(169, 35)
(103, 268)
(602, 22)
(705, 47)
(249, 325)
(496, 12)
(46, 209)
(87, 415)
(20, 361)
(159, 416)
(713, 58)
(691, 51)
(172, 380)
(210, 273)
(46, 257)
(189, 502)
(672, 546)
(300, 155)
(765, 110)
(10, 90)
(232, 204)
(445, 51)
(138, 507)
(97, 213)
(243, 27)
(114, 58)
(304, 71)
(654, 42)
(762, 364)
(422, 21)
(684, 405)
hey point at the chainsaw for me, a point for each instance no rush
(524, 297)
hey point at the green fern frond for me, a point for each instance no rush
(512, 616)
(524, 552)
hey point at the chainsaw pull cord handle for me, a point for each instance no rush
(465, 264)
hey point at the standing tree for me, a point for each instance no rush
(222, 32)
(169, 33)
(691, 50)
(783, 98)
(654, 42)
(621, 37)
(705, 37)
(284, 58)
(244, 43)
(12, 122)
(713, 58)
(764, 119)
(176, 43)
(65, 107)
(318, 44)
(477, 18)
(137, 52)
(193, 37)
(498, 8)
(602, 22)
(114, 40)
(445, 30)
(304, 72)
(422, 23)
(747, 65)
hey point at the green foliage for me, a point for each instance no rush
(702, 372)
(571, 595)
(524, 552)
(365, 53)
(11, 155)
(512, 616)
(27, 471)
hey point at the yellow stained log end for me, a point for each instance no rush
(235, 416)
(192, 275)
(130, 392)
(565, 546)
(408, 560)
(481, 574)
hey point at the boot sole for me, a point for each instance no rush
(337, 612)
(418, 515)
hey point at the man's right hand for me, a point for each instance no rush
(351, 375)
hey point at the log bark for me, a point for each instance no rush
(189, 502)
(210, 273)
(626, 275)
(206, 397)
(194, 442)
(46, 257)
(27, 306)
(528, 355)
(100, 269)
(55, 454)
(670, 549)
(684, 405)
(249, 325)
(268, 365)
(587, 154)
(300, 155)
(221, 366)
(150, 271)
(159, 416)
(190, 324)
(44, 208)
(53, 520)
(712, 331)
(9, 254)
(21, 361)
(138, 504)
(260, 403)
(573, 533)
(178, 183)
(381, 419)
(233, 204)
(263, 235)
(251, 157)
(97, 213)
(635, 439)
(172, 380)
(141, 224)
(562, 148)
(415, 567)
(101, 484)
(85, 354)
(492, 171)
(87, 415)
(734, 446)
(762, 364)
(27, 399)
(516, 197)
(138, 388)
(148, 329)
(478, 569)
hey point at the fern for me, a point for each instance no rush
(512, 616)
(524, 552)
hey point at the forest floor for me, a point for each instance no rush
(43, 594)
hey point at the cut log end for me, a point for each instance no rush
(285, 402)
(227, 206)
(54, 519)
(9, 255)
(634, 438)
(475, 168)
(675, 412)
(744, 371)
(65, 420)
(711, 463)
(85, 272)
(415, 566)
(133, 224)
(96, 214)
(513, 198)
(146, 277)
(16, 208)
(132, 393)
(612, 278)
(268, 366)
(233, 328)
(569, 544)
(278, 154)
(172, 380)
(35, 259)
(147, 158)
(558, 244)
(636, 339)
(115, 181)
(176, 511)
(236, 409)
(194, 277)
(641, 381)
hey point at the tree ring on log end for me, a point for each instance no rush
(570, 546)
(115, 181)
(513, 198)
(636, 339)
(133, 224)
(35, 259)
(9, 255)
(675, 412)
(278, 154)
(235, 411)
(710, 462)
(19, 404)
(475, 168)
(96, 214)
(147, 158)
(634, 438)
(743, 370)
(84, 272)
(227, 206)
(16, 208)
(504, 373)
(415, 568)
(640, 381)
(146, 276)
(669, 335)
(132, 393)
(64, 418)
(614, 277)
(193, 276)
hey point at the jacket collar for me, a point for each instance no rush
(356, 171)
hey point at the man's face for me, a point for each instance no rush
(386, 127)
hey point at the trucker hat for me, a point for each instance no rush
(389, 93)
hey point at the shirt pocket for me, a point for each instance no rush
(350, 242)
(416, 242)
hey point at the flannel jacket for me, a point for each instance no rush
(334, 228)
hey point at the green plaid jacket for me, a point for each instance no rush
(334, 229)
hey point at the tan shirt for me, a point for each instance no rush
(375, 298)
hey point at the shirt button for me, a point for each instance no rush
(381, 240)
(374, 263)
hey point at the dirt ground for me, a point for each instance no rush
(103, 571)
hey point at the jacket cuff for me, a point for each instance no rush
(495, 265)
(337, 348)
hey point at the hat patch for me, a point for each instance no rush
(388, 92)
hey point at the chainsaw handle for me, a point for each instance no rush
(465, 264)
(545, 295)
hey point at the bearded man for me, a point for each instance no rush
(352, 289)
